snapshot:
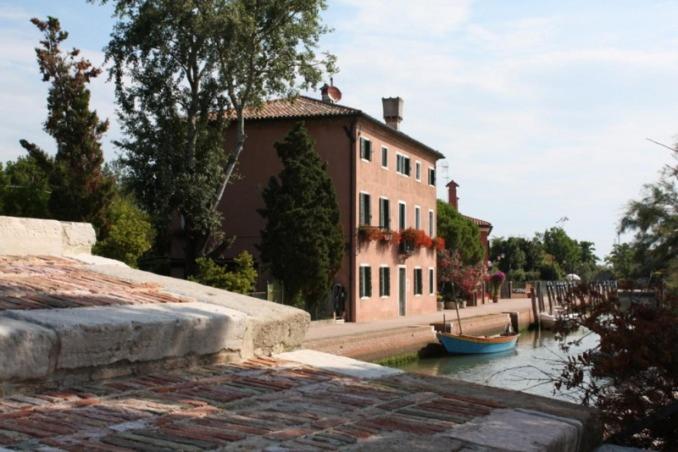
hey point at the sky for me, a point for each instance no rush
(542, 108)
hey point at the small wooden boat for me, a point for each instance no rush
(470, 345)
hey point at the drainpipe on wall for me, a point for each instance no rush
(352, 302)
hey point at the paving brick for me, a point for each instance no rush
(46, 282)
(253, 405)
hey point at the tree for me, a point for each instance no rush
(302, 242)
(622, 261)
(172, 113)
(457, 279)
(129, 233)
(564, 249)
(240, 279)
(80, 191)
(631, 376)
(181, 68)
(507, 254)
(460, 234)
(654, 220)
(24, 189)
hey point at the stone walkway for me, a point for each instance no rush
(276, 404)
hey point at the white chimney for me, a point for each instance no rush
(393, 111)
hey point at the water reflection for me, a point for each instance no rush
(529, 368)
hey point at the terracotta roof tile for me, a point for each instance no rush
(478, 221)
(300, 107)
(307, 107)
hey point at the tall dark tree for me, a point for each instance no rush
(80, 191)
(181, 68)
(302, 242)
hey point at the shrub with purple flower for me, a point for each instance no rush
(497, 279)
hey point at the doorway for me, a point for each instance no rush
(402, 286)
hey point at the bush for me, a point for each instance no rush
(241, 279)
(129, 233)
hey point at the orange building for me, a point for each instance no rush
(383, 178)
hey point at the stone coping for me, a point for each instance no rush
(82, 317)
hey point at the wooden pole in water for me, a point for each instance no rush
(548, 295)
(535, 308)
(456, 307)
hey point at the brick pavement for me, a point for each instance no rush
(258, 404)
(41, 282)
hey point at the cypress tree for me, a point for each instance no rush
(80, 189)
(302, 243)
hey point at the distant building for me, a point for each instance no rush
(484, 226)
(383, 178)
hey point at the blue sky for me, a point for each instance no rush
(541, 107)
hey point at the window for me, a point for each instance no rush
(365, 281)
(418, 289)
(384, 214)
(417, 171)
(365, 216)
(402, 211)
(417, 217)
(430, 281)
(403, 164)
(384, 281)
(384, 157)
(430, 223)
(365, 149)
(432, 176)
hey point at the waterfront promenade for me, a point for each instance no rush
(379, 339)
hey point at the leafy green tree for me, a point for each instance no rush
(302, 242)
(507, 254)
(622, 261)
(564, 249)
(24, 189)
(80, 191)
(460, 234)
(240, 279)
(129, 233)
(181, 67)
(654, 220)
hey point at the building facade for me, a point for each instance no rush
(385, 184)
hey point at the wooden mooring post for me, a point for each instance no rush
(535, 308)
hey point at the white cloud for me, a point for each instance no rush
(404, 17)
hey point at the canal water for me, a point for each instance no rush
(529, 368)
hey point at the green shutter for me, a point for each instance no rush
(368, 281)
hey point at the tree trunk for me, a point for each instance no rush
(233, 160)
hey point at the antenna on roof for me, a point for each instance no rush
(445, 170)
(330, 93)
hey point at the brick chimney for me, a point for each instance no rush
(393, 111)
(452, 197)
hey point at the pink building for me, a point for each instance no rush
(383, 178)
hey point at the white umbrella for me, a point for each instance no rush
(572, 277)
